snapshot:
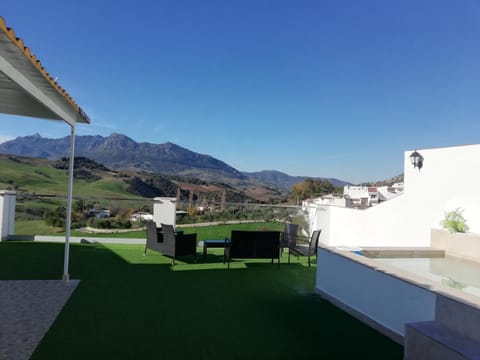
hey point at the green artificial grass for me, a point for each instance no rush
(225, 230)
(203, 232)
(129, 306)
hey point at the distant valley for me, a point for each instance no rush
(119, 152)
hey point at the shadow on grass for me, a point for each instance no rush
(130, 306)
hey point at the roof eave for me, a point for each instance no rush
(25, 74)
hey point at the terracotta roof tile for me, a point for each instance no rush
(28, 54)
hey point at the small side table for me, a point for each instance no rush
(214, 244)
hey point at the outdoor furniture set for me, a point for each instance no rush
(242, 244)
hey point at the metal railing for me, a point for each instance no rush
(42, 214)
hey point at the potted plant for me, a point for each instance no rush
(456, 241)
(454, 221)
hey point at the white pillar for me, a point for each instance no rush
(7, 213)
(164, 210)
(68, 219)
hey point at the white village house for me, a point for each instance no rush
(141, 216)
(364, 196)
(357, 196)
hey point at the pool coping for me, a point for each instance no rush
(411, 278)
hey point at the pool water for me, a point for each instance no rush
(460, 274)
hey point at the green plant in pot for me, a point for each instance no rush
(454, 221)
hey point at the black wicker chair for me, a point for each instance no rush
(169, 243)
(289, 237)
(311, 249)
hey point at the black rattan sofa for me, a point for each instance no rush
(253, 245)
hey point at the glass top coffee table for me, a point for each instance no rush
(214, 243)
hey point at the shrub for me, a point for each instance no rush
(109, 223)
(56, 217)
(454, 221)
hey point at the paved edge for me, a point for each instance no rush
(28, 308)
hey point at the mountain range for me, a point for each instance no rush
(118, 151)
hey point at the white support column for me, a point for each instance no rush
(68, 221)
(7, 213)
(164, 210)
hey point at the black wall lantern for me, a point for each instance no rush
(416, 159)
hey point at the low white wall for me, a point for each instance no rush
(379, 297)
(461, 245)
(449, 178)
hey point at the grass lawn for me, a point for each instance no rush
(38, 176)
(39, 227)
(225, 230)
(204, 232)
(130, 306)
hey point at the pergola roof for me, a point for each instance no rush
(26, 88)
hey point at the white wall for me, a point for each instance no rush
(7, 213)
(449, 178)
(385, 299)
(320, 219)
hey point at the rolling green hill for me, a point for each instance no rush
(40, 177)
(41, 186)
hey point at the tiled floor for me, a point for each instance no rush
(27, 310)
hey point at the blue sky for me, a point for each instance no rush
(314, 88)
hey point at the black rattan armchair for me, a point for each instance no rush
(169, 243)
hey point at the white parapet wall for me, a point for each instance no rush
(164, 210)
(449, 179)
(7, 213)
(382, 300)
(460, 245)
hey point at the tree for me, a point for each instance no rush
(312, 188)
(56, 217)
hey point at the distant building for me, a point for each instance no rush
(360, 196)
(141, 216)
(398, 187)
(365, 196)
(99, 213)
(329, 199)
(181, 213)
(357, 196)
